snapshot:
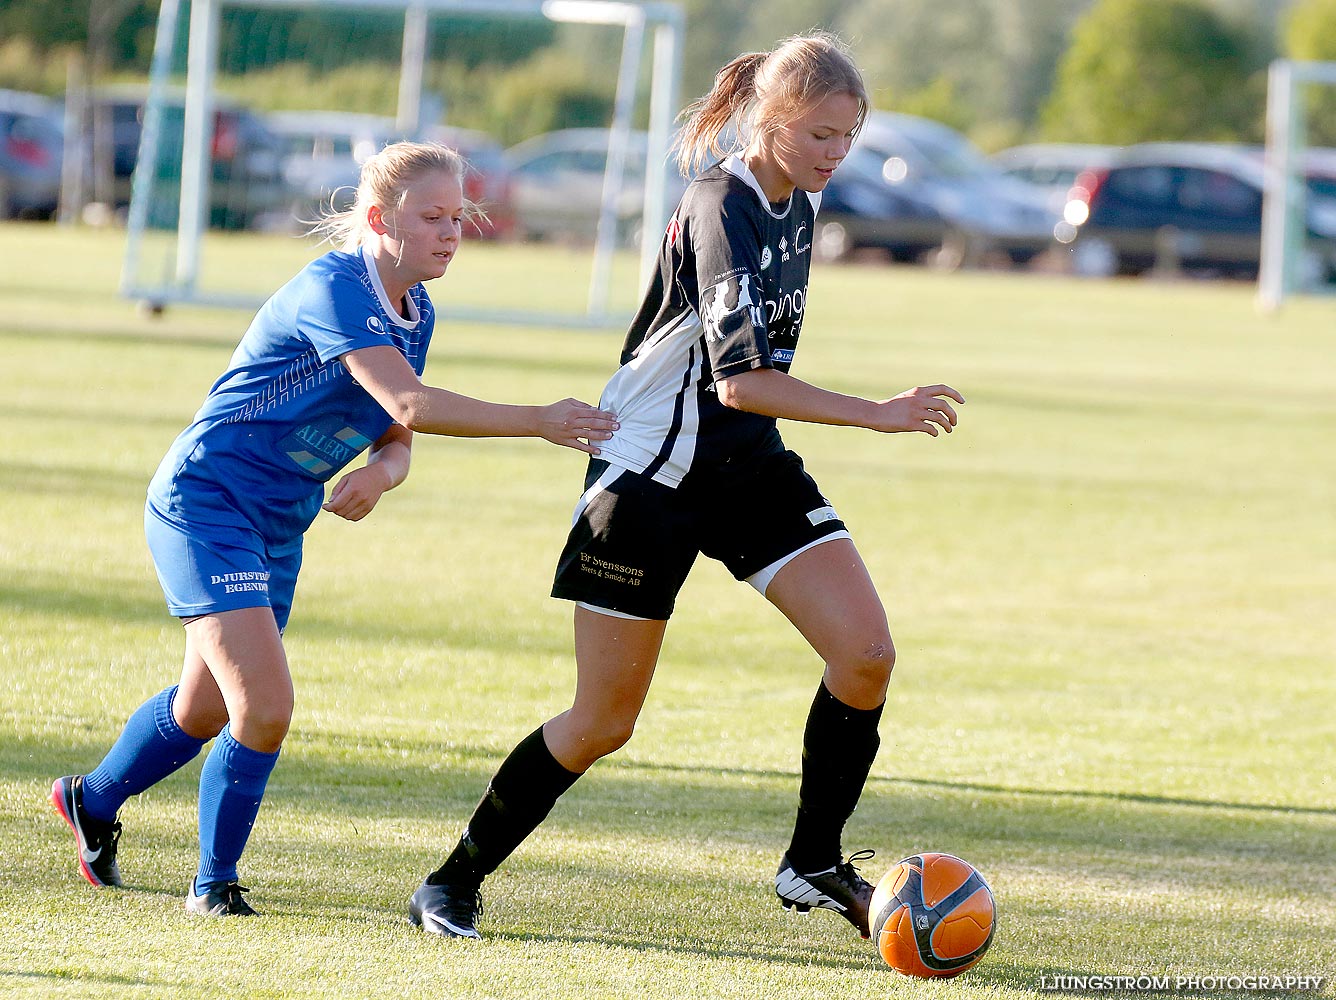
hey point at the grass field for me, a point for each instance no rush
(1112, 594)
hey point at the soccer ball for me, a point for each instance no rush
(932, 916)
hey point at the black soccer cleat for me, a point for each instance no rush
(96, 839)
(223, 899)
(839, 888)
(448, 910)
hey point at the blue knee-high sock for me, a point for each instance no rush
(150, 747)
(231, 786)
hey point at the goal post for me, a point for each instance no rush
(1285, 204)
(177, 278)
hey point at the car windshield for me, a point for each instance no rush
(942, 152)
(950, 155)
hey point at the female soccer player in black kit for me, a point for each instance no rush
(698, 466)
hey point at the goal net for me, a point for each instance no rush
(194, 179)
(1299, 201)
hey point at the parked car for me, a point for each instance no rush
(321, 153)
(1194, 206)
(860, 210)
(247, 189)
(1320, 171)
(489, 183)
(32, 143)
(986, 212)
(1052, 166)
(558, 185)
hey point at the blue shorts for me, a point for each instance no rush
(204, 571)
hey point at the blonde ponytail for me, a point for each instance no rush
(708, 118)
(762, 91)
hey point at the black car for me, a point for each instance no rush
(859, 210)
(247, 188)
(987, 214)
(1180, 206)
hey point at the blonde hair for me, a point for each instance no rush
(384, 181)
(762, 91)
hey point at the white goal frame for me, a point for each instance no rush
(1285, 193)
(664, 19)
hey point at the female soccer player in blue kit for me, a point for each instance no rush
(329, 367)
(698, 466)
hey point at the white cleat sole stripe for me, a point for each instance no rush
(429, 919)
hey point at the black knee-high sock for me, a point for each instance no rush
(839, 745)
(520, 795)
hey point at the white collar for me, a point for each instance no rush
(391, 310)
(734, 165)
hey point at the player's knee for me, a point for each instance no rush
(203, 722)
(615, 735)
(264, 725)
(868, 664)
(605, 736)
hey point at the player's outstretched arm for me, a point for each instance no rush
(391, 381)
(926, 409)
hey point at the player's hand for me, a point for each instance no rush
(924, 408)
(354, 496)
(573, 424)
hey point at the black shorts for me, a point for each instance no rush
(633, 540)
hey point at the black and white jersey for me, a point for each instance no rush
(728, 296)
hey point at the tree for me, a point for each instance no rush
(915, 51)
(1140, 70)
(986, 65)
(714, 30)
(1310, 36)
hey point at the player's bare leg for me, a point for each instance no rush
(828, 595)
(615, 660)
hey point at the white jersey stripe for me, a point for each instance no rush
(646, 392)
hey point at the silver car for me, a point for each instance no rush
(557, 185)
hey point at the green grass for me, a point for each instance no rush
(1111, 592)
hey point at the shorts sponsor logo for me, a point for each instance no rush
(822, 514)
(782, 356)
(611, 571)
(239, 583)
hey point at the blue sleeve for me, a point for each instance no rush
(341, 314)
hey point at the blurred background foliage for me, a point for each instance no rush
(1004, 71)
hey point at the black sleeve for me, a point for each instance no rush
(724, 238)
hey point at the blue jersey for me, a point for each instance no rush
(287, 415)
